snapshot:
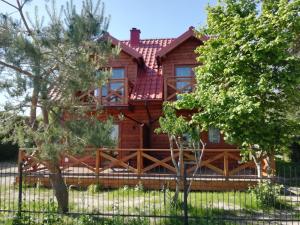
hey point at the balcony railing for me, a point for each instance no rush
(178, 85)
(114, 93)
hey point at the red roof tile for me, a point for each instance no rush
(149, 84)
(148, 49)
(148, 87)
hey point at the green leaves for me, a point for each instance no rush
(249, 79)
(44, 67)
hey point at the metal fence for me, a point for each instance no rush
(117, 197)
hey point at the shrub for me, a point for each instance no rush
(95, 188)
(266, 193)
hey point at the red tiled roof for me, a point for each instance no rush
(148, 87)
(148, 49)
(149, 84)
(182, 38)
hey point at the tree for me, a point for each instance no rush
(183, 134)
(248, 86)
(43, 68)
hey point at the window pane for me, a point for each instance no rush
(116, 88)
(118, 73)
(214, 135)
(104, 90)
(115, 132)
(184, 71)
(184, 87)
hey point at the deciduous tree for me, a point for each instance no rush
(248, 85)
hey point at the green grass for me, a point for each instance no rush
(208, 207)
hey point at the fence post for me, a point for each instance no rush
(185, 196)
(20, 168)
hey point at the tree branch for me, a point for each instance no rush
(18, 69)
(6, 2)
(23, 17)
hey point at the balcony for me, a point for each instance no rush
(173, 86)
(114, 93)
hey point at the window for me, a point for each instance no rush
(214, 135)
(118, 73)
(184, 76)
(115, 88)
(115, 132)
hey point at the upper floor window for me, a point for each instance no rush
(184, 71)
(114, 90)
(184, 79)
(118, 73)
(214, 135)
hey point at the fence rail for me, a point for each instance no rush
(221, 162)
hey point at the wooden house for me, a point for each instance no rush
(146, 73)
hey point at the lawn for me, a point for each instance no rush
(203, 207)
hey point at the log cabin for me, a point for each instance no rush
(146, 73)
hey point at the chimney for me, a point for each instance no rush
(135, 36)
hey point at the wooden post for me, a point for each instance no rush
(97, 162)
(140, 165)
(226, 171)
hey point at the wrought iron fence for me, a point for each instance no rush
(119, 197)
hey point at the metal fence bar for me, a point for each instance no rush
(119, 194)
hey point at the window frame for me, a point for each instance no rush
(192, 77)
(212, 141)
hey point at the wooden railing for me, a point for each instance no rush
(177, 85)
(114, 96)
(216, 162)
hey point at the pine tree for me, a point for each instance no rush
(42, 69)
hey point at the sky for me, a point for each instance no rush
(155, 18)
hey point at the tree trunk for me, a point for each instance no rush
(258, 168)
(60, 189)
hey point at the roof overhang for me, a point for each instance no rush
(181, 39)
(133, 53)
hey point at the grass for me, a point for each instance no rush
(206, 207)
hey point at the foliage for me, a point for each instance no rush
(266, 193)
(45, 69)
(183, 134)
(94, 188)
(89, 220)
(44, 66)
(248, 82)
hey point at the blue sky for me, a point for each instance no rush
(155, 18)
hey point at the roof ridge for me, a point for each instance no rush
(147, 39)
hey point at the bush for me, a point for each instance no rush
(266, 193)
(95, 188)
